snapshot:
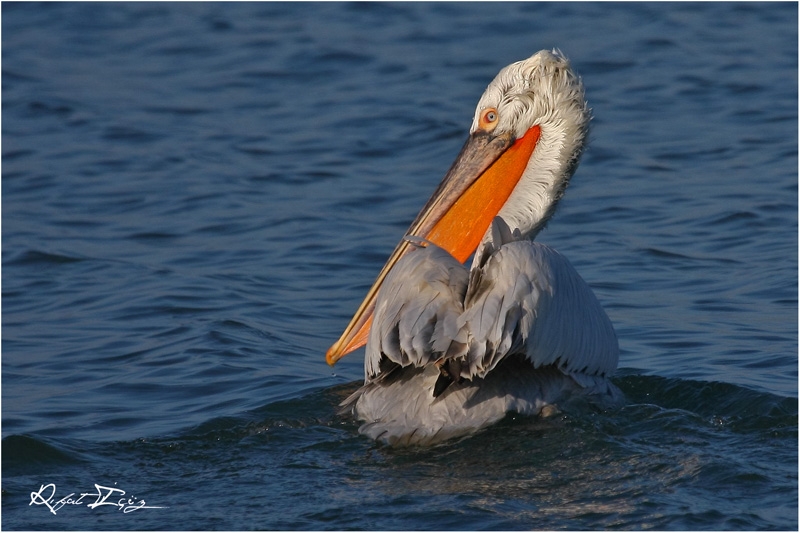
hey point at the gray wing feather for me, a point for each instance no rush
(520, 297)
(532, 301)
(417, 307)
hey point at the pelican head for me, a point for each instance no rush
(526, 138)
(542, 94)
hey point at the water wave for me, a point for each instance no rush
(621, 468)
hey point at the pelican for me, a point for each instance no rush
(450, 351)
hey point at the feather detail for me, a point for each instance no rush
(416, 311)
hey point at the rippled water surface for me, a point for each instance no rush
(195, 198)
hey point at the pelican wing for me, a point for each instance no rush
(527, 298)
(521, 297)
(415, 319)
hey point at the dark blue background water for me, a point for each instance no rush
(195, 198)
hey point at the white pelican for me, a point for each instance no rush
(450, 351)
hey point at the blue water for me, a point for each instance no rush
(195, 198)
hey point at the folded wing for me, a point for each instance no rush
(416, 313)
(528, 299)
(521, 298)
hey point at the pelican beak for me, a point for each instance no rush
(456, 217)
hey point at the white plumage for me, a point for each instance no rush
(452, 350)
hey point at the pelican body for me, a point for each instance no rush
(450, 350)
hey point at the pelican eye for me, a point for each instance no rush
(488, 119)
